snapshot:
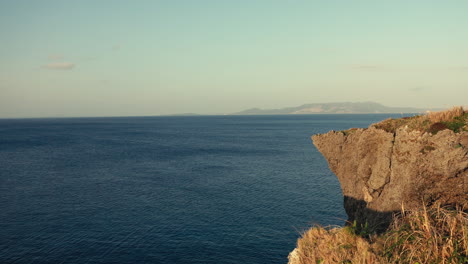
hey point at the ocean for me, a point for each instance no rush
(198, 189)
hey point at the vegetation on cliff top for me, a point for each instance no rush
(455, 119)
(429, 235)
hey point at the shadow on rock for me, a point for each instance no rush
(365, 219)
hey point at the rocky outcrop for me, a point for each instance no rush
(381, 172)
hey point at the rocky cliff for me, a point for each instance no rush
(416, 166)
(399, 164)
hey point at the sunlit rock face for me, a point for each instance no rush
(382, 172)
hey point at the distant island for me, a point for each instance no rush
(326, 108)
(185, 114)
(333, 108)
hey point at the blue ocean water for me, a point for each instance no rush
(205, 189)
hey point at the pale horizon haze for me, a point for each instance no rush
(142, 58)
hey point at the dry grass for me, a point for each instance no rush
(414, 123)
(430, 235)
(455, 119)
(337, 245)
(447, 115)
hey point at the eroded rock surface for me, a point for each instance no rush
(381, 171)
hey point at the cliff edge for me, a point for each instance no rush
(400, 163)
(405, 188)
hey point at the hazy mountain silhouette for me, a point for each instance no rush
(333, 108)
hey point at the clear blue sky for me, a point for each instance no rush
(114, 58)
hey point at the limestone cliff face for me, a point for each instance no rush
(382, 171)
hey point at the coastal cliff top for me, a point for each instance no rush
(455, 119)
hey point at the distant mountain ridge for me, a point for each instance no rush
(333, 108)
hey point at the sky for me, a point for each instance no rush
(141, 58)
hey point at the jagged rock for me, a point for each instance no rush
(382, 171)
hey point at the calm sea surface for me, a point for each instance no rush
(210, 189)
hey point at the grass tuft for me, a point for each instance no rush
(447, 115)
(334, 245)
(429, 235)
